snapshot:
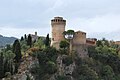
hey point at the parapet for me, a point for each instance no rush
(79, 32)
(58, 20)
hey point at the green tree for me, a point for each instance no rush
(39, 43)
(42, 58)
(17, 50)
(1, 65)
(68, 32)
(84, 72)
(62, 77)
(10, 56)
(8, 47)
(25, 36)
(99, 43)
(47, 63)
(29, 40)
(67, 60)
(105, 42)
(107, 73)
(24, 47)
(28, 77)
(14, 45)
(22, 38)
(64, 44)
(51, 53)
(50, 67)
(47, 41)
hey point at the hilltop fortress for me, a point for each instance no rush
(79, 42)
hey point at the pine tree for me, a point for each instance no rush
(47, 41)
(29, 41)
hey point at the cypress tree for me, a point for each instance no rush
(1, 65)
(47, 41)
(14, 44)
(29, 41)
(22, 38)
(25, 37)
(17, 50)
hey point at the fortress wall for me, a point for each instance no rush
(79, 38)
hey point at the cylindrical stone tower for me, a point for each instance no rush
(58, 27)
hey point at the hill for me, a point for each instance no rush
(6, 40)
(40, 62)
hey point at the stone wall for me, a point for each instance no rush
(81, 50)
(79, 38)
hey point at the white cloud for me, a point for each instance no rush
(86, 15)
(105, 23)
(18, 32)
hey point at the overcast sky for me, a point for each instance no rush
(19, 17)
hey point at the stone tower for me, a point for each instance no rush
(58, 27)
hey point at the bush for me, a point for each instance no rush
(83, 72)
(50, 67)
(62, 78)
(63, 51)
(51, 53)
(64, 44)
(67, 60)
(42, 58)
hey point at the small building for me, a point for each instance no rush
(34, 37)
(117, 42)
(91, 41)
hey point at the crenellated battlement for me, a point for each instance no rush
(58, 20)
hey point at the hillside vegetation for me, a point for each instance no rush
(29, 60)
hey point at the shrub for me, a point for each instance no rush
(62, 77)
(50, 67)
(67, 60)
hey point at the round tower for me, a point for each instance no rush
(58, 27)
